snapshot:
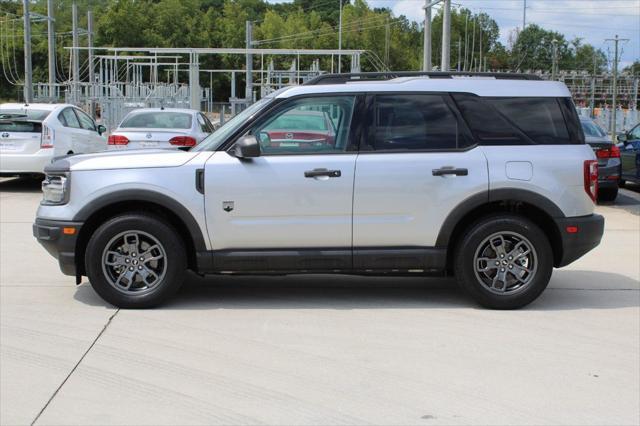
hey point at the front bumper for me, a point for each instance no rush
(579, 235)
(56, 237)
(17, 164)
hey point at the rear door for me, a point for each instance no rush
(292, 197)
(19, 136)
(415, 166)
(92, 141)
(73, 137)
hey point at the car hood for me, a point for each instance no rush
(129, 159)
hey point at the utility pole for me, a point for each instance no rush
(249, 79)
(466, 39)
(446, 35)
(92, 80)
(593, 86)
(459, 52)
(340, 40)
(524, 15)
(426, 48)
(51, 43)
(554, 59)
(613, 126)
(28, 84)
(387, 42)
(480, 49)
(75, 58)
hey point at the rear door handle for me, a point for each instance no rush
(449, 171)
(322, 172)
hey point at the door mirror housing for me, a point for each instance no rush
(101, 129)
(622, 137)
(246, 147)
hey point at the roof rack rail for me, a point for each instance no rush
(389, 75)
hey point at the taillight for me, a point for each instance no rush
(591, 179)
(182, 141)
(46, 140)
(613, 152)
(117, 140)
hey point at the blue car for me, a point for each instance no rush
(630, 155)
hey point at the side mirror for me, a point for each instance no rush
(101, 129)
(622, 137)
(246, 147)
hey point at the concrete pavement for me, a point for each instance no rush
(319, 349)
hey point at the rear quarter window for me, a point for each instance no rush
(521, 120)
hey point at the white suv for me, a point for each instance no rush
(485, 177)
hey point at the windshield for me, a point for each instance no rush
(592, 129)
(32, 114)
(157, 120)
(213, 141)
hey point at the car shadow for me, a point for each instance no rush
(568, 290)
(22, 184)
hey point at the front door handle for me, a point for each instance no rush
(449, 171)
(322, 172)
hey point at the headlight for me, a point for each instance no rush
(55, 190)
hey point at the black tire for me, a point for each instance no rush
(622, 183)
(476, 237)
(169, 275)
(607, 194)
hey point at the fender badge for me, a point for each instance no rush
(227, 206)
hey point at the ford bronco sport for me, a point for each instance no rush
(486, 177)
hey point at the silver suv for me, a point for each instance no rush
(484, 177)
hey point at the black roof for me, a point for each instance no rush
(389, 75)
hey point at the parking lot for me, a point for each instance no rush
(319, 349)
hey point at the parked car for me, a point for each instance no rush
(608, 154)
(485, 178)
(630, 155)
(31, 135)
(300, 130)
(161, 128)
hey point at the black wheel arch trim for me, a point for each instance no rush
(496, 195)
(137, 195)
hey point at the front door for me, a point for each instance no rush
(296, 197)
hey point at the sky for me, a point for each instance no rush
(592, 20)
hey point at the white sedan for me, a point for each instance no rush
(31, 135)
(179, 128)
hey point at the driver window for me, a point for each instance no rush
(307, 126)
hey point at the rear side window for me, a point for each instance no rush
(520, 120)
(415, 122)
(539, 118)
(68, 118)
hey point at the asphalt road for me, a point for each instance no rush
(319, 349)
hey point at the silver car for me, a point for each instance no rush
(160, 128)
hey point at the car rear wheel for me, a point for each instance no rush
(135, 261)
(503, 261)
(607, 194)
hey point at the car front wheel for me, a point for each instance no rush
(504, 261)
(135, 261)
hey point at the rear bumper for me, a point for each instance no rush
(59, 244)
(577, 244)
(609, 174)
(16, 164)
